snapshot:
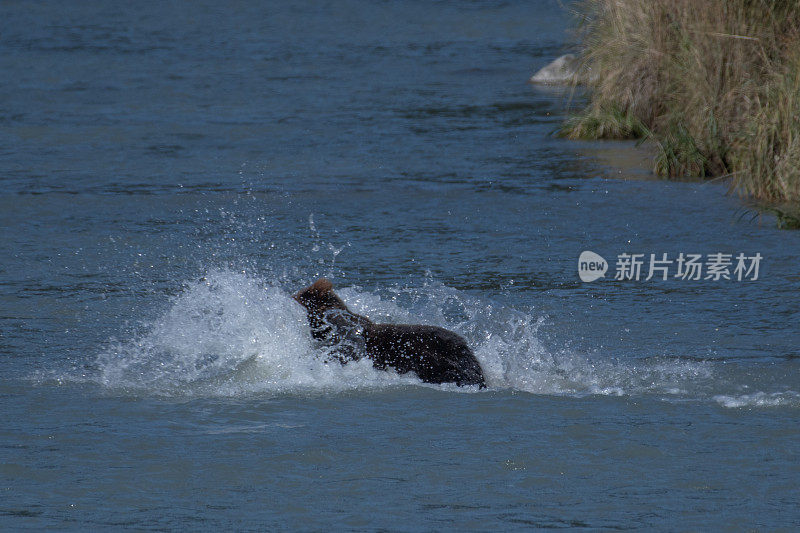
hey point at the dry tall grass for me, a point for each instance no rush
(715, 83)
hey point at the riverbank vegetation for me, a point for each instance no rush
(715, 84)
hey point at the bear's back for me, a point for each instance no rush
(435, 354)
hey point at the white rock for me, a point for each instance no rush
(563, 70)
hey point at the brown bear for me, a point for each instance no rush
(434, 354)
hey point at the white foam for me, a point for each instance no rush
(760, 399)
(231, 334)
(228, 335)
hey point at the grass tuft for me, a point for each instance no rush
(604, 123)
(714, 83)
(788, 218)
(679, 155)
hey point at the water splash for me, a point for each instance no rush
(230, 334)
(760, 399)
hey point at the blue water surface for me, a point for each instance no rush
(171, 172)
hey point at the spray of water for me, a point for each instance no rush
(230, 334)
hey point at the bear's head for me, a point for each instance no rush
(319, 297)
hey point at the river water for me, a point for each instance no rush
(172, 172)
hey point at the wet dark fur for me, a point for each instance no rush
(434, 354)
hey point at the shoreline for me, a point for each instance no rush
(717, 95)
